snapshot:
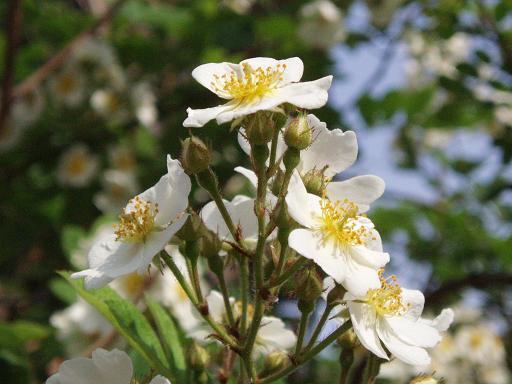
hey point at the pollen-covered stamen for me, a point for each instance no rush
(387, 300)
(340, 223)
(136, 221)
(250, 84)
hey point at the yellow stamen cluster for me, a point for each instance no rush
(76, 164)
(387, 300)
(237, 309)
(136, 220)
(339, 223)
(66, 83)
(251, 84)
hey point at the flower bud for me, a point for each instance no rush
(309, 286)
(424, 379)
(298, 133)
(198, 357)
(274, 362)
(291, 158)
(348, 339)
(277, 182)
(259, 128)
(315, 181)
(191, 230)
(195, 155)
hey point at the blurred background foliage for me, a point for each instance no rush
(426, 85)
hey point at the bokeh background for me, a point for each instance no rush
(94, 93)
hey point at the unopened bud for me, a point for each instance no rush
(191, 230)
(315, 181)
(195, 155)
(309, 286)
(277, 182)
(259, 128)
(274, 362)
(298, 133)
(348, 339)
(198, 357)
(423, 379)
(291, 158)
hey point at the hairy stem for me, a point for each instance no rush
(225, 296)
(319, 326)
(304, 319)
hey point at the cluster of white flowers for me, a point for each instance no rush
(298, 212)
(321, 24)
(474, 353)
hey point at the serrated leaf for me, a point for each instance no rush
(169, 336)
(127, 319)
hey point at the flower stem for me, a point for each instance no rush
(319, 326)
(288, 273)
(371, 369)
(244, 290)
(273, 149)
(304, 319)
(225, 337)
(225, 296)
(346, 360)
(307, 355)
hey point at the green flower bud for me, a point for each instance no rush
(195, 155)
(298, 133)
(259, 128)
(309, 287)
(198, 357)
(291, 158)
(348, 339)
(277, 182)
(274, 362)
(191, 230)
(315, 181)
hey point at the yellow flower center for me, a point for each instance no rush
(132, 284)
(387, 300)
(136, 220)
(76, 164)
(66, 83)
(251, 84)
(339, 222)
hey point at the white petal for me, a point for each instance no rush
(414, 332)
(308, 95)
(364, 322)
(407, 353)
(159, 380)
(362, 190)
(415, 301)
(242, 141)
(366, 257)
(250, 175)
(199, 117)
(273, 335)
(327, 285)
(303, 207)
(335, 149)
(441, 322)
(216, 305)
(308, 244)
(204, 75)
(359, 278)
(292, 73)
(115, 365)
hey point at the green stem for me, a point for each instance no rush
(346, 360)
(304, 319)
(302, 358)
(319, 326)
(288, 273)
(372, 364)
(244, 290)
(225, 337)
(273, 149)
(225, 296)
(208, 181)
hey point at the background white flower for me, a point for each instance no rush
(77, 166)
(255, 84)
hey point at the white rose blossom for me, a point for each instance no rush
(391, 315)
(77, 166)
(104, 367)
(257, 84)
(145, 226)
(336, 237)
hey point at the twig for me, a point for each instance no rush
(12, 33)
(475, 280)
(60, 57)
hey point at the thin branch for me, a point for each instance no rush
(12, 32)
(474, 280)
(60, 57)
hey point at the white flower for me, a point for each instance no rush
(11, 133)
(93, 52)
(256, 84)
(68, 86)
(122, 157)
(336, 237)
(272, 334)
(321, 24)
(28, 108)
(480, 344)
(111, 105)
(105, 367)
(78, 257)
(241, 210)
(391, 314)
(239, 6)
(144, 104)
(77, 167)
(146, 225)
(118, 187)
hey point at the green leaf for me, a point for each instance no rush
(127, 319)
(168, 335)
